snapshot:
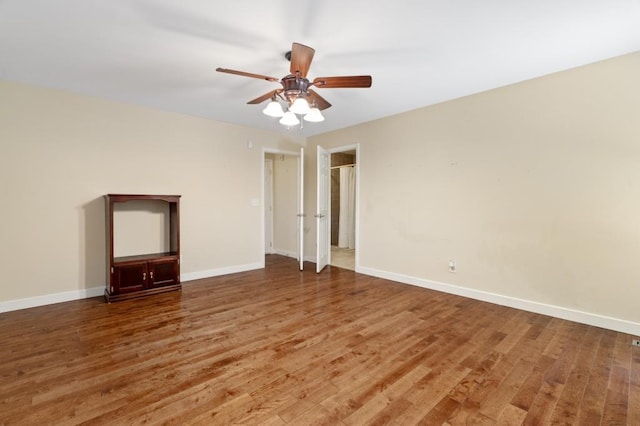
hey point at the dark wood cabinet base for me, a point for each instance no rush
(142, 293)
(134, 276)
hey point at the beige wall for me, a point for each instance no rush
(534, 190)
(60, 153)
(141, 227)
(285, 204)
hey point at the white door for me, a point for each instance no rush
(301, 209)
(322, 215)
(268, 205)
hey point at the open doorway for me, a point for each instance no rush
(283, 203)
(343, 208)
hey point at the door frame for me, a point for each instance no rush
(262, 167)
(353, 147)
(323, 208)
(268, 225)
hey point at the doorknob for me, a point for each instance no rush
(319, 216)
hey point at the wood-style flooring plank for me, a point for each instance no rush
(283, 347)
(634, 384)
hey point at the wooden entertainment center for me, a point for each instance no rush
(145, 273)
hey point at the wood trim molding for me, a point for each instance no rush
(610, 323)
(67, 296)
(190, 276)
(48, 299)
(286, 253)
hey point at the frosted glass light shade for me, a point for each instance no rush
(314, 115)
(300, 106)
(273, 109)
(289, 119)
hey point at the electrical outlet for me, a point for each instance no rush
(452, 266)
(635, 342)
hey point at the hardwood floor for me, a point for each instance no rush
(278, 346)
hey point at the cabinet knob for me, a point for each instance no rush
(151, 274)
(144, 275)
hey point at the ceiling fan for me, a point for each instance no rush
(296, 88)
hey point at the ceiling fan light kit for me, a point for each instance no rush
(296, 91)
(273, 109)
(300, 106)
(314, 116)
(289, 119)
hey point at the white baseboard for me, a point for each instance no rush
(190, 276)
(602, 321)
(610, 323)
(48, 299)
(286, 253)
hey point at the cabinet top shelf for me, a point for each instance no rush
(145, 257)
(131, 197)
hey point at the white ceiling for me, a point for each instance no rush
(163, 53)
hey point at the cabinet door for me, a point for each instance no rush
(129, 278)
(163, 272)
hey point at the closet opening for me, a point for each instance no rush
(343, 209)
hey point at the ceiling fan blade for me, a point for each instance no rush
(264, 97)
(342, 82)
(247, 74)
(301, 57)
(314, 99)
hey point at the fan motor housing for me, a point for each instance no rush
(294, 86)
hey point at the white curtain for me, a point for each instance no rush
(347, 219)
